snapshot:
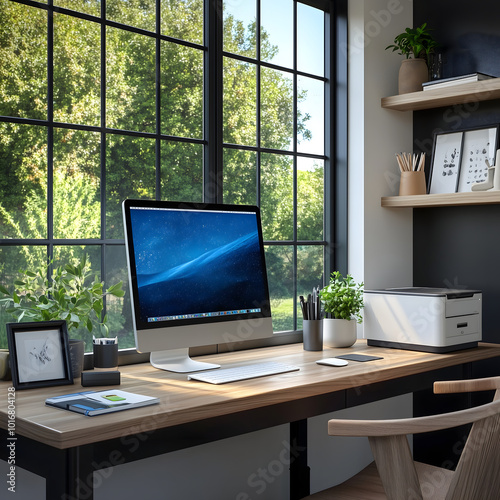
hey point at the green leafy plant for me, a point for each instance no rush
(414, 41)
(343, 297)
(67, 293)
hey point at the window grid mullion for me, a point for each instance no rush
(258, 84)
(50, 130)
(295, 147)
(103, 121)
(158, 148)
(213, 96)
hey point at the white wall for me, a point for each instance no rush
(380, 239)
(380, 253)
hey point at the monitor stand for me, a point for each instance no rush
(178, 360)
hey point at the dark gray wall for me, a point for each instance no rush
(468, 32)
(460, 246)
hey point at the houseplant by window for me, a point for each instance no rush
(415, 44)
(343, 301)
(67, 293)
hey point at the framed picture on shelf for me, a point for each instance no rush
(478, 146)
(445, 163)
(39, 354)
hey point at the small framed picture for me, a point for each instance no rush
(445, 163)
(39, 354)
(478, 146)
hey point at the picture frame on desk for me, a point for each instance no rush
(39, 354)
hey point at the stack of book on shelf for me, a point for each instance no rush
(455, 80)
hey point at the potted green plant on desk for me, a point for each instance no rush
(415, 44)
(66, 293)
(343, 301)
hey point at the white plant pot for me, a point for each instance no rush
(339, 332)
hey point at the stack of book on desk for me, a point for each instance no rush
(455, 80)
(92, 403)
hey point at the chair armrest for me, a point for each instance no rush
(472, 385)
(395, 427)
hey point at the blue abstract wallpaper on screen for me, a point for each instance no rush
(190, 262)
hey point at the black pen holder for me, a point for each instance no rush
(106, 355)
(312, 334)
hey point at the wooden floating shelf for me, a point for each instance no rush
(447, 96)
(442, 200)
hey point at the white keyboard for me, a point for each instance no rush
(225, 375)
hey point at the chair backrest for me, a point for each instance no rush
(477, 476)
(478, 471)
(471, 385)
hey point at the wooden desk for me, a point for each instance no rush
(51, 441)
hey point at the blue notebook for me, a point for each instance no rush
(92, 403)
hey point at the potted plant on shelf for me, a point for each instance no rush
(415, 44)
(67, 293)
(343, 301)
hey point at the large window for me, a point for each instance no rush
(103, 100)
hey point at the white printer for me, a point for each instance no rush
(423, 319)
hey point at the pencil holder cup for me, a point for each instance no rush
(4, 365)
(313, 334)
(105, 355)
(412, 183)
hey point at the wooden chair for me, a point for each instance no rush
(477, 476)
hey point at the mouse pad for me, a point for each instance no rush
(358, 357)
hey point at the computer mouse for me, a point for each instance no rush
(332, 362)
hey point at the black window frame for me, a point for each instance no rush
(335, 157)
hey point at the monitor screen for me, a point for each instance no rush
(197, 274)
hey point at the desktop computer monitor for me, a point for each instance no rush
(197, 277)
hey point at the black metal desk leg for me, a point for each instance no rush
(70, 476)
(299, 470)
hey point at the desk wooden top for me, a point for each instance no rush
(183, 401)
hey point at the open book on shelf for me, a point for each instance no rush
(92, 403)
